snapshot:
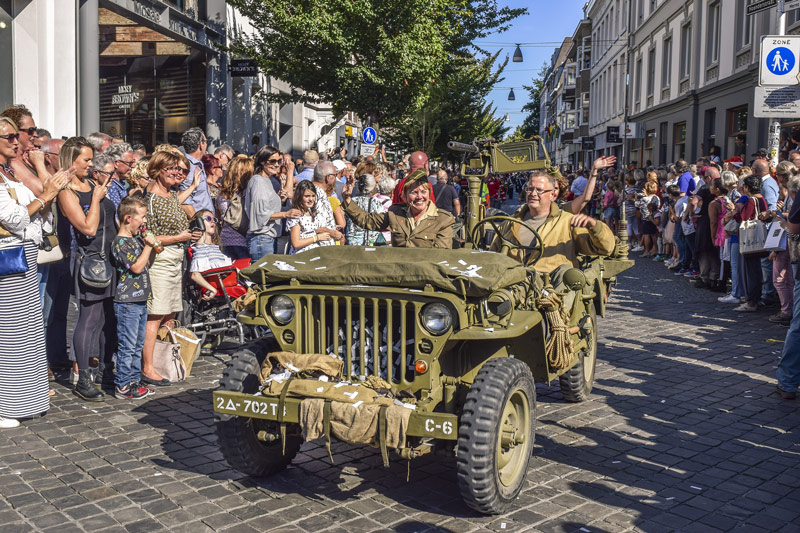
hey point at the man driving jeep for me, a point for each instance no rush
(564, 235)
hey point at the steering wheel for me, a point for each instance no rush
(501, 222)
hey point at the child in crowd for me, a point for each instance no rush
(131, 254)
(206, 253)
(303, 234)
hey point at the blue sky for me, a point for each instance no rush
(546, 22)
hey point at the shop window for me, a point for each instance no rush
(736, 144)
(679, 144)
(649, 140)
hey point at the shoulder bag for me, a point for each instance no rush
(235, 217)
(12, 259)
(793, 245)
(95, 270)
(752, 234)
(167, 358)
(49, 250)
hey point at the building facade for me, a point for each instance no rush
(147, 70)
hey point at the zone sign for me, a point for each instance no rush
(780, 60)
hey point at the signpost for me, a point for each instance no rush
(368, 149)
(780, 60)
(777, 102)
(758, 6)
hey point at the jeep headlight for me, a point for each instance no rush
(436, 318)
(282, 309)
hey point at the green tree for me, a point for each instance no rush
(530, 126)
(378, 58)
(456, 110)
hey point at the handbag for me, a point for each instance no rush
(235, 217)
(776, 238)
(188, 341)
(95, 270)
(167, 359)
(732, 227)
(13, 261)
(752, 234)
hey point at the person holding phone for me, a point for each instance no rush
(92, 216)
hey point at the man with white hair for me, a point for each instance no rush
(310, 160)
(122, 156)
(224, 154)
(99, 141)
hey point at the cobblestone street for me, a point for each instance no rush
(683, 432)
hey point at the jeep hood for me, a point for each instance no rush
(475, 273)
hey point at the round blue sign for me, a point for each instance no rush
(369, 136)
(780, 61)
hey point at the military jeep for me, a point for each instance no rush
(426, 350)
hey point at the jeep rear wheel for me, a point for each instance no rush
(238, 436)
(577, 382)
(495, 435)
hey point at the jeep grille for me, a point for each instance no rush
(357, 328)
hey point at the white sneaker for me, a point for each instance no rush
(8, 423)
(744, 308)
(728, 299)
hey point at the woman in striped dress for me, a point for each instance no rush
(23, 360)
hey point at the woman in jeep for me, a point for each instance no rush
(417, 223)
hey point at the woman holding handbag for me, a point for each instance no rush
(751, 263)
(92, 216)
(24, 390)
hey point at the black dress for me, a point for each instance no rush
(103, 237)
(702, 237)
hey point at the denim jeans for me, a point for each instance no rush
(260, 245)
(737, 274)
(131, 322)
(768, 291)
(788, 372)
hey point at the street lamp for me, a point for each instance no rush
(517, 55)
(511, 94)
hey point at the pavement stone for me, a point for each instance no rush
(682, 433)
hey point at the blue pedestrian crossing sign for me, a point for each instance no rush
(369, 136)
(779, 60)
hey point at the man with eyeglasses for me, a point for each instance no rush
(194, 145)
(51, 147)
(121, 155)
(28, 166)
(564, 236)
(224, 154)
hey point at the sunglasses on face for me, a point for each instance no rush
(180, 170)
(271, 162)
(209, 218)
(11, 137)
(30, 131)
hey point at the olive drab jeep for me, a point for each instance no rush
(414, 351)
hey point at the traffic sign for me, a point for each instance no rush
(367, 150)
(756, 6)
(369, 136)
(779, 63)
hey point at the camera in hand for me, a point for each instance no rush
(197, 223)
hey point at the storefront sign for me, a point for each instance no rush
(777, 102)
(182, 29)
(612, 135)
(125, 97)
(243, 67)
(149, 12)
(587, 143)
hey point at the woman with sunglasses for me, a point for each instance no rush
(92, 216)
(23, 360)
(206, 254)
(262, 204)
(139, 177)
(168, 221)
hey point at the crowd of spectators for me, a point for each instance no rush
(119, 229)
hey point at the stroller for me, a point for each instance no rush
(212, 319)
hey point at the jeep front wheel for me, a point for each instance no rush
(238, 436)
(576, 383)
(495, 435)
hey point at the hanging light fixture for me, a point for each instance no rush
(517, 55)
(511, 94)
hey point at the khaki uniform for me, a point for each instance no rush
(562, 241)
(434, 229)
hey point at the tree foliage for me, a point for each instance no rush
(530, 126)
(378, 58)
(456, 110)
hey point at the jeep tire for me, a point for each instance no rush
(237, 435)
(495, 435)
(576, 383)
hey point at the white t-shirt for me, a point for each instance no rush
(680, 209)
(208, 257)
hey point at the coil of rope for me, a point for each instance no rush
(559, 345)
